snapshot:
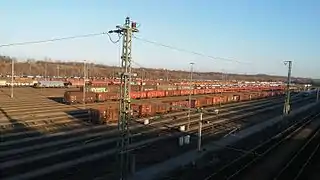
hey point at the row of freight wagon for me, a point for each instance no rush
(110, 113)
(73, 97)
(33, 83)
(17, 83)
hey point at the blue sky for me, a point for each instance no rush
(261, 33)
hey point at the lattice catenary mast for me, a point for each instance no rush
(126, 31)
(286, 108)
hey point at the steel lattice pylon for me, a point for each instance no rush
(125, 87)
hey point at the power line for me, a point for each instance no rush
(57, 39)
(188, 51)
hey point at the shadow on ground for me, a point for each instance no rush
(57, 99)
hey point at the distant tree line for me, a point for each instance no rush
(58, 68)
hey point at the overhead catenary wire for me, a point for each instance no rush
(61, 39)
(188, 51)
(116, 41)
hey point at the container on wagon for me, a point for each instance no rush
(94, 89)
(50, 84)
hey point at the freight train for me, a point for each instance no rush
(109, 114)
(73, 97)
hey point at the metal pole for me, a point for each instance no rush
(12, 74)
(45, 71)
(58, 71)
(84, 84)
(29, 68)
(222, 77)
(200, 132)
(318, 94)
(167, 75)
(286, 107)
(191, 72)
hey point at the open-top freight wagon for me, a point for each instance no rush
(50, 84)
(113, 96)
(18, 82)
(109, 114)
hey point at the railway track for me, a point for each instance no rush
(310, 167)
(84, 146)
(41, 113)
(43, 122)
(283, 156)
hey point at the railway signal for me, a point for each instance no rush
(126, 31)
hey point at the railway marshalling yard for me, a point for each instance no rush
(42, 138)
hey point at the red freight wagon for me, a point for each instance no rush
(135, 109)
(97, 83)
(201, 91)
(161, 94)
(135, 95)
(179, 105)
(112, 114)
(104, 114)
(215, 100)
(143, 95)
(194, 103)
(71, 97)
(115, 82)
(145, 110)
(236, 98)
(207, 91)
(224, 99)
(159, 108)
(202, 102)
(245, 97)
(184, 92)
(169, 93)
(106, 96)
(176, 93)
(196, 91)
(76, 83)
(151, 94)
(135, 88)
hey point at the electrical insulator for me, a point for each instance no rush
(133, 25)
